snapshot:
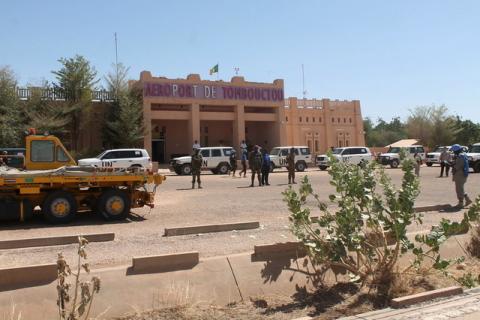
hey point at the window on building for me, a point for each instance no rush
(300, 119)
(338, 120)
(333, 120)
(313, 119)
(286, 119)
(344, 120)
(350, 119)
(347, 143)
(306, 120)
(320, 119)
(316, 146)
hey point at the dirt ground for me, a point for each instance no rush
(331, 302)
(222, 200)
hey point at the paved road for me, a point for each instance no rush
(223, 199)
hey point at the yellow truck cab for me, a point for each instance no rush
(46, 152)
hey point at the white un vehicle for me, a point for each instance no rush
(392, 157)
(434, 156)
(120, 158)
(278, 157)
(353, 155)
(474, 157)
(217, 159)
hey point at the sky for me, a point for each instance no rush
(390, 55)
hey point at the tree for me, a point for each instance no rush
(432, 125)
(44, 114)
(10, 115)
(124, 125)
(384, 133)
(76, 78)
(466, 132)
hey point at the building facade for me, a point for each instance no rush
(178, 112)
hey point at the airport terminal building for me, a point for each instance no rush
(179, 111)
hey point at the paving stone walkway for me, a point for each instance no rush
(465, 306)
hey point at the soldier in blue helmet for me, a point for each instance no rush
(460, 171)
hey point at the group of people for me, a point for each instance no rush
(258, 160)
(458, 162)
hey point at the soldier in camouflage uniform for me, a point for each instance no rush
(291, 166)
(255, 163)
(197, 161)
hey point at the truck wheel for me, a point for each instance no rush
(476, 167)
(429, 164)
(186, 169)
(114, 204)
(323, 168)
(394, 164)
(300, 166)
(223, 168)
(59, 207)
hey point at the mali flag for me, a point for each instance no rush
(214, 69)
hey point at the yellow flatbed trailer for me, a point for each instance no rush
(61, 192)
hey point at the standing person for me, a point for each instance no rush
(233, 162)
(418, 163)
(265, 167)
(291, 166)
(255, 164)
(445, 158)
(197, 161)
(460, 170)
(4, 159)
(196, 145)
(243, 146)
(244, 163)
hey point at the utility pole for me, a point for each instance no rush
(116, 66)
(304, 92)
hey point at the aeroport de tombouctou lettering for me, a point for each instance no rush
(199, 91)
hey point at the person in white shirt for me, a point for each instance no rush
(196, 145)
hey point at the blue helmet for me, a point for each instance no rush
(456, 148)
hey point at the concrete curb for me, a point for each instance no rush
(54, 241)
(436, 207)
(21, 277)
(288, 249)
(164, 263)
(425, 296)
(178, 231)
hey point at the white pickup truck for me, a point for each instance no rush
(474, 157)
(353, 155)
(392, 156)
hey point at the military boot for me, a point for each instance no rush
(468, 201)
(199, 186)
(193, 185)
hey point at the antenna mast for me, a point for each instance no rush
(304, 92)
(116, 65)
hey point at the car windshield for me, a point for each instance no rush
(100, 155)
(440, 149)
(337, 151)
(394, 150)
(274, 151)
(475, 149)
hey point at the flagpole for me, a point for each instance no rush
(218, 71)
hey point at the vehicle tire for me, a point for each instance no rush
(114, 204)
(323, 168)
(186, 169)
(135, 167)
(223, 168)
(178, 171)
(429, 164)
(394, 164)
(59, 207)
(300, 166)
(476, 167)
